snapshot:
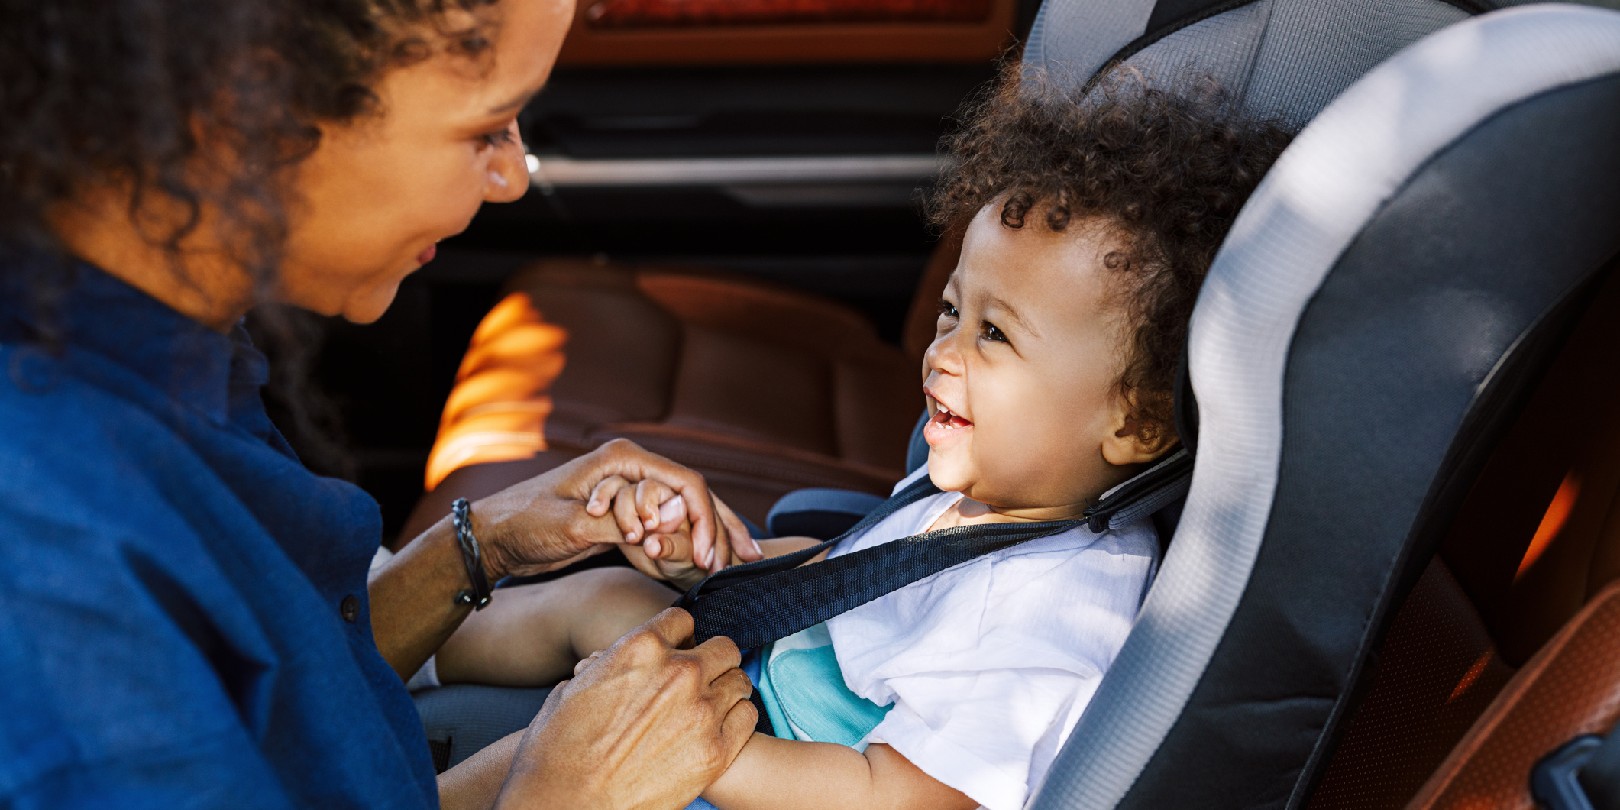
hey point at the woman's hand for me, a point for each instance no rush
(542, 524)
(644, 724)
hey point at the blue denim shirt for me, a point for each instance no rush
(183, 611)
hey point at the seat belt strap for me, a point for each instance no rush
(759, 610)
(761, 602)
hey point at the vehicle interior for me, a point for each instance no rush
(1390, 581)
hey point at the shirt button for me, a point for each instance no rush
(350, 608)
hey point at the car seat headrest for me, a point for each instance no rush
(1279, 58)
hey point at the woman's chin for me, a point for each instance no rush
(371, 306)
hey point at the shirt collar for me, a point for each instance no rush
(102, 315)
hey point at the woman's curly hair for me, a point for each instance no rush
(131, 91)
(1166, 172)
(208, 104)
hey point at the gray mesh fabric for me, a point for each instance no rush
(1074, 39)
(1314, 49)
(1344, 166)
(1289, 58)
(1221, 48)
(1282, 57)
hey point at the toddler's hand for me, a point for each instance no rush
(653, 515)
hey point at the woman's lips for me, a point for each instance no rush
(427, 255)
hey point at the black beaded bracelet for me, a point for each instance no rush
(478, 594)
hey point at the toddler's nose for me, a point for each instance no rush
(943, 355)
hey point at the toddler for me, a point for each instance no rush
(1086, 227)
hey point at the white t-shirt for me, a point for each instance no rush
(989, 664)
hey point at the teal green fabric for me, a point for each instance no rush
(767, 696)
(805, 696)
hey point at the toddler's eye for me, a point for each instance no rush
(991, 332)
(947, 309)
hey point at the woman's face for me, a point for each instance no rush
(381, 191)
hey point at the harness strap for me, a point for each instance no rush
(761, 602)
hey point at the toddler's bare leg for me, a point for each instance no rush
(532, 635)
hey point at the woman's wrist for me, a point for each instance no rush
(478, 591)
(489, 528)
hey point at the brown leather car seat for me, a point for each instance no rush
(1570, 688)
(763, 390)
(1536, 543)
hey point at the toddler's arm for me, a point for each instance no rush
(788, 774)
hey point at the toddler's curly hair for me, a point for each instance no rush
(1165, 171)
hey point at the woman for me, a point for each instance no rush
(184, 615)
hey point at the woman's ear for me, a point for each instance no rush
(1135, 439)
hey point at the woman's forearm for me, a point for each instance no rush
(476, 782)
(413, 598)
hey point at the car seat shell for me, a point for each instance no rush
(1301, 535)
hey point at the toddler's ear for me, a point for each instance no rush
(1136, 439)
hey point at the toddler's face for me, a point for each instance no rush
(1020, 379)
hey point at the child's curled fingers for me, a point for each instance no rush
(601, 498)
(616, 495)
(670, 517)
(651, 494)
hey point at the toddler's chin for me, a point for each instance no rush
(943, 476)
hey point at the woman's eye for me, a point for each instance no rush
(947, 309)
(991, 332)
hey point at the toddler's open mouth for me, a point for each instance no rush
(947, 420)
(944, 426)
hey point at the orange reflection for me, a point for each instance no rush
(1552, 523)
(1470, 677)
(498, 408)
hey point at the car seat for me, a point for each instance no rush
(1391, 293)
